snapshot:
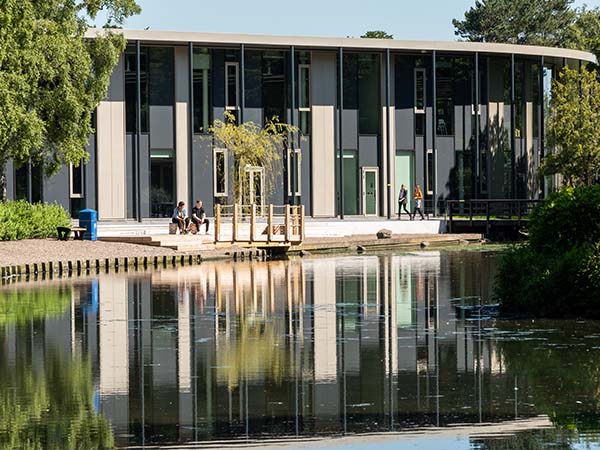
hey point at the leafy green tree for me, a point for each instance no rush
(585, 32)
(532, 22)
(573, 126)
(252, 146)
(377, 34)
(52, 78)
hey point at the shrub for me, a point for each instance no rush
(556, 274)
(22, 220)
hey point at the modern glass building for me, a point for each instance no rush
(463, 120)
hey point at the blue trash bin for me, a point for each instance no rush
(88, 218)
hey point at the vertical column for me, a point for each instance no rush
(138, 129)
(191, 123)
(434, 131)
(541, 124)
(512, 127)
(292, 165)
(389, 134)
(340, 129)
(110, 135)
(242, 82)
(476, 153)
(182, 96)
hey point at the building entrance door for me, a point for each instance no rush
(404, 176)
(369, 190)
(254, 187)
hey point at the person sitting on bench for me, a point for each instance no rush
(199, 216)
(180, 218)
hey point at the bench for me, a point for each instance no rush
(65, 232)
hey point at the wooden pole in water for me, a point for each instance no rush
(302, 221)
(234, 223)
(270, 224)
(287, 223)
(252, 222)
(217, 223)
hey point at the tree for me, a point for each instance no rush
(52, 78)
(573, 125)
(378, 34)
(532, 22)
(252, 146)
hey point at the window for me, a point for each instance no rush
(445, 98)
(220, 172)
(274, 90)
(232, 86)
(131, 88)
(202, 90)
(304, 98)
(369, 109)
(161, 76)
(297, 166)
(429, 180)
(419, 77)
(76, 180)
(420, 91)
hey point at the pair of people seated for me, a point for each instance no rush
(182, 220)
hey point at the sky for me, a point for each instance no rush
(405, 19)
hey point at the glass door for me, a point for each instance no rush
(255, 187)
(369, 190)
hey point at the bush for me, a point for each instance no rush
(557, 274)
(22, 220)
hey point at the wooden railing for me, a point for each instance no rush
(256, 224)
(489, 211)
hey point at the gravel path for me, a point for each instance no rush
(45, 250)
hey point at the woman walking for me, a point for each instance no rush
(418, 197)
(402, 202)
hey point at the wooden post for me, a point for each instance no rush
(270, 224)
(252, 222)
(287, 223)
(234, 223)
(217, 223)
(302, 223)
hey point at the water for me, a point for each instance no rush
(385, 351)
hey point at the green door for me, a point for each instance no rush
(404, 175)
(370, 192)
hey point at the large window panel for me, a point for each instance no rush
(274, 86)
(444, 97)
(161, 79)
(220, 172)
(202, 90)
(304, 98)
(369, 110)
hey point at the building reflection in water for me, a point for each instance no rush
(295, 348)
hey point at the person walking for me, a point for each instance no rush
(402, 202)
(418, 197)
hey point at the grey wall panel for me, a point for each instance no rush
(323, 96)
(445, 165)
(405, 129)
(350, 129)
(306, 187)
(90, 175)
(145, 175)
(57, 188)
(459, 131)
(161, 127)
(10, 180)
(129, 176)
(253, 115)
(419, 162)
(367, 153)
(429, 127)
(202, 172)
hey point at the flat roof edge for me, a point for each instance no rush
(333, 42)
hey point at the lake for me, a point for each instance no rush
(386, 351)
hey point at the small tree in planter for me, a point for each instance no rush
(253, 146)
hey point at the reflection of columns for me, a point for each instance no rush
(325, 321)
(184, 369)
(114, 350)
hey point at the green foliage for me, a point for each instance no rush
(573, 124)
(377, 34)
(556, 274)
(567, 219)
(19, 306)
(51, 408)
(531, 22)
(22, 220)
(52, 78)
(252, 146)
